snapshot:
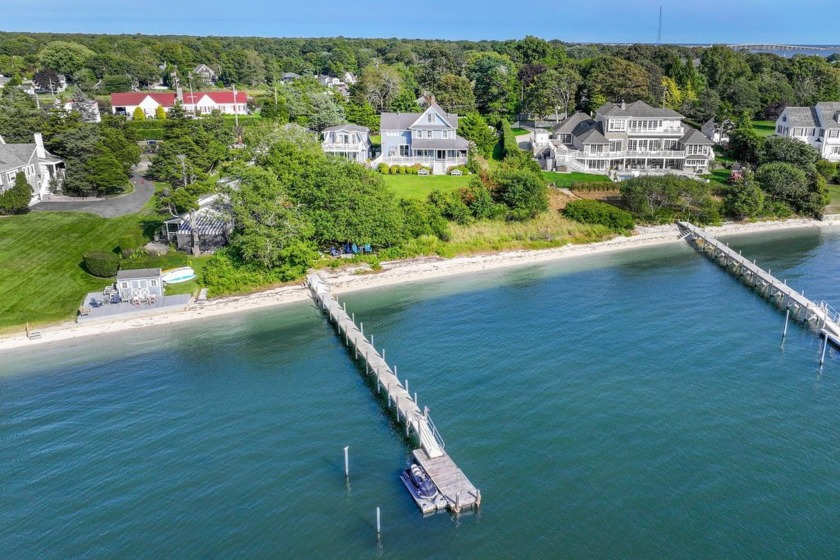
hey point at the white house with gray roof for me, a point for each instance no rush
(429, 138)
(43, 171)
(349, 141)
(626, 137)
(817, 126)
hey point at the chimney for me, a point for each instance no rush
(39, 146)
(623, 105)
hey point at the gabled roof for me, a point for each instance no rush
(802, 116)
(827, 114)
(694, 136)
(347, 127)
(136, 98)
(15, 156)
(138, 273)
(637, 109)
(167, 99)
(590, 134)
(405, 121)
(567, 126)
(203, 67)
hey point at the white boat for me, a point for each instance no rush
(178, 275)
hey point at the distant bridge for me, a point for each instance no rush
(770, 47)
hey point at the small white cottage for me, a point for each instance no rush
(139, 285)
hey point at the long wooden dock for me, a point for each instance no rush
(457, 490)
(820, 315)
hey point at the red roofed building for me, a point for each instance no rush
(200, 102)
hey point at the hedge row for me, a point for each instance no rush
(597, 212)
(593, 186)
(509, 145)
(103, 265)
(386, 169)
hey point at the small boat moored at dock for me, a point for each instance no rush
(422, 489)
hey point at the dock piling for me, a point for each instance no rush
(378, 522)
(825, 346)
(346, 461)
(784, 332)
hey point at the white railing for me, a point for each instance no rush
(401, 160)
(332, 146)
(654, 132)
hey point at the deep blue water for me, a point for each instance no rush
(632, 405)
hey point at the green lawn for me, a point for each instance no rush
(833, 206)
(519, 131)
(419, 186)
(564, 178)
(764, 128)
(719, 176)
(41, 277)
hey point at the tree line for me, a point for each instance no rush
(494, 78)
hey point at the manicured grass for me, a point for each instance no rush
(419, 186)
(563, 178)
(519, 131)
(721, 157)
(376, 139)
(833, 206)
(41, 277)
(764, 128)
(719, 176)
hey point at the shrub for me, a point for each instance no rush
(597, 212)
(593, 186)
(462, 168)
(103, 265)
(16, 199)
(383, 168)
(509, 145)
(169, 260)
(138, 114)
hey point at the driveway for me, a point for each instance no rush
(114, 207)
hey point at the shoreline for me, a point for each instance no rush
(392, 273)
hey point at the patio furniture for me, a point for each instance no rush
(84, 310)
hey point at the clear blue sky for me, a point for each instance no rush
(619, 21)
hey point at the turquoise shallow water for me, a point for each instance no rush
(628, 405)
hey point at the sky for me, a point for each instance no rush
(809, 22)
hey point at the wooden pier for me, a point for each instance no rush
(819, 315)
(458, 491)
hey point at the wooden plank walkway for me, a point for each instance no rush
(450, 480)
(820, 315)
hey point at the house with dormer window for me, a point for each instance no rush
(429, 138)
(349, 141)
(626, 137)
(817, 126)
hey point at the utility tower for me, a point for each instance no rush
(659, 33)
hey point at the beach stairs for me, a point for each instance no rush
(454, 486)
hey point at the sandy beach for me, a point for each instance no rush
(392, 273)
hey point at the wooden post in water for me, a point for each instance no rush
(458, 502)
(406, 381)
(367, 364)
(362, 328)
(784, 332)
(378, 523)
(825, 346)
(415, 398)
(346, 462)
(383, 354)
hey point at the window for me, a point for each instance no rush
(669, 145)
(615, 145)
(124, 285)
(834, 133)
(835, 149)
(404, 152)
(596, 149)
(616, 124)
(430, 117)
(566, 138)
(152, 282)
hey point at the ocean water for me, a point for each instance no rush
(632, 405)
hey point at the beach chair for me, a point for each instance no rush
(368, 248)
(355, 249)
